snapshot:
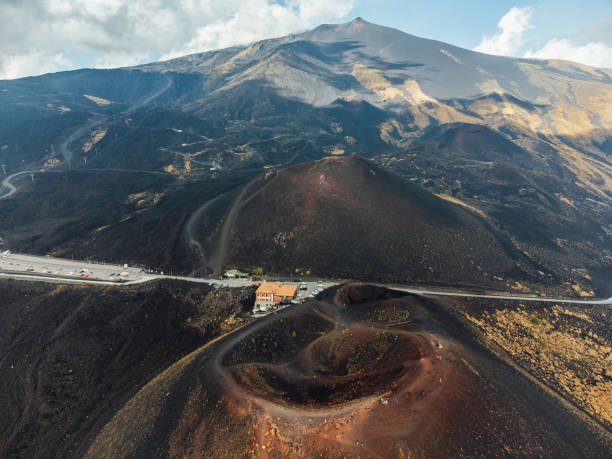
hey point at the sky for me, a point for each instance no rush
(42, 36)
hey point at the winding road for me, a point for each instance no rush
(502, 296)
(98, 119)
(78, 132)
(186, 156)
(9, 188)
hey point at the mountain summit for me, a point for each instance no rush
(386, 67)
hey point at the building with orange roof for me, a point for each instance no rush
(271, 294)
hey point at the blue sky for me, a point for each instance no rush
(464, 22)
(40, 36)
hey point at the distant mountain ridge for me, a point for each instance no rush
(389, 68)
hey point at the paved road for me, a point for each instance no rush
(16, 266)
(503, 296)
(7, 188)
(312, 287)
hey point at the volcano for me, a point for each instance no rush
(347, 217)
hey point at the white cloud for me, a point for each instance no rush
(40, 36)
(252, 20)
(510, 37)
(594, 54)
(35, 59)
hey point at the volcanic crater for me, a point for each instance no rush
(342, 354)
(349, 363)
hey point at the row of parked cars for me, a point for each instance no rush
(318, 289)
(84, 273)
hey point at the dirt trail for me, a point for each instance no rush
(9, 188)
(150, 97)
(78, 132)
(219, 256)
(187, 157)
(340, 325)
(189, 231)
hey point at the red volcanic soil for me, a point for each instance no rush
(347, 217)
(389, 376)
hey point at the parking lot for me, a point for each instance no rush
(68, 269)
(311, 289)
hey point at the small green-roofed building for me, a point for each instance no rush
(236, 273)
